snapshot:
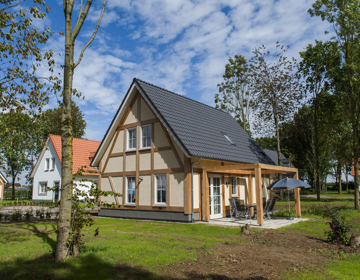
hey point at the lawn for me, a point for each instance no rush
(131, 249)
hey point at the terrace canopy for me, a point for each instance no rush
(250, 170)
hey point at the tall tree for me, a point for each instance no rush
(16, 144)
(275, 88)
(316, 67)
(62, 251)
(233, 95)
(344, 16)
(50, 121)
(21, 44)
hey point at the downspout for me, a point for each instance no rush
(192, 190)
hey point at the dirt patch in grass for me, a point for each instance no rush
(268, 255)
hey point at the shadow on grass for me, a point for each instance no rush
(42, 232)
(87, 267)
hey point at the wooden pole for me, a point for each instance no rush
(259, 204)
(297, 197)
(250, 193)
(206, 197)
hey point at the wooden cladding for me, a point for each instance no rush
(143, 172)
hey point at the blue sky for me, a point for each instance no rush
(181, 45)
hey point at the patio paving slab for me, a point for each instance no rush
(274, 223)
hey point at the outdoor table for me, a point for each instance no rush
(250, 206)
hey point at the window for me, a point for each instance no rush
(52, 163)
(47, 164)
(131, 138)
(228, 138)
(234, 188)
(146, 136)
(42, 187)
(160, 192)
(131, 190)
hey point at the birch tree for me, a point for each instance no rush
(233, 95)
(275, 89)
(62, 250)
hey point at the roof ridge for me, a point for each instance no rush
(76, 138)
(181, 96)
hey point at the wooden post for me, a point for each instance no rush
(99, 179)
(206, 197)
(223, 195)
(258, 189)
(297, 197)
(250, 193)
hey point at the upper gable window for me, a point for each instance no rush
(146, 136)
(228, 138)
(52, 163)
(47, 164)
(132, 138)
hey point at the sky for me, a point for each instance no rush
(180, 45)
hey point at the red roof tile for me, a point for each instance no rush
(83, 151)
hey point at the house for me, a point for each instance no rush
(47, 170)
(274, 157)
(3, 181)
(173, 158)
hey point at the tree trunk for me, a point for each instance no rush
(346, 178)
(316, 135)
(339, 176)
(66, 142)
(278, 139)
(13, 187)
(356, 166)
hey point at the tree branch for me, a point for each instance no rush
(81, 20)
(93, 36)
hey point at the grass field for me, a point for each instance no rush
(131, 249)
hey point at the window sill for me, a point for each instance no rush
(130, 150)
(52, 169)
(130, 204)
(160, 205)
(146, 148)
(235, 195)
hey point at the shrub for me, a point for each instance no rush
(340, 229)
(16, 215)
(29, 214)
(1, 215)
(48, 214)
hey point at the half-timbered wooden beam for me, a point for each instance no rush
(259, 203)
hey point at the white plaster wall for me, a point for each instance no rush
(132, 117)
(160, 139)
(145, 161)
(46, 176)
(242, 185)
(177, 189)
(145, 191)
(115, 164)
(165, 159)
(131, 163)
(196, 190)
(146, 113)
(85, 186)
(119, 144)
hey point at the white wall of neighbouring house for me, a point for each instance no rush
(49, 176)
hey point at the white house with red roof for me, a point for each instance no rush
(47, 170)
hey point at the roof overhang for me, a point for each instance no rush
(250, 169)
(3, 178)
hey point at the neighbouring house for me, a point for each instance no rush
(274, 157)
(173, 158)
(3, 181)
(47, 170)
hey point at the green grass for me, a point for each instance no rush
(131, 249)
(152, 245)
(347, 268)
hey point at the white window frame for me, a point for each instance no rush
(41, 192)
(157, 203)
(128, 139)
(126, 191)
(47, 164)
(52, 164)
(141, 137)
(235, 194)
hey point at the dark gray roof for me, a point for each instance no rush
(199, 128)
(274, 156)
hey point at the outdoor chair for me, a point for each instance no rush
(270, 208)
(233, 210)
(266, 209)
(255, 208)
(242, 211)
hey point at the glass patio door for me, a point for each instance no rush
(215, 197)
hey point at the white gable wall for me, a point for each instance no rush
(50, 176)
